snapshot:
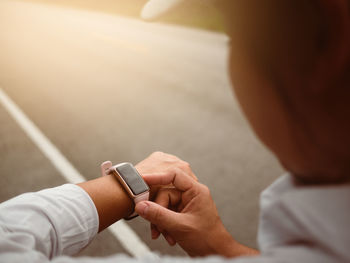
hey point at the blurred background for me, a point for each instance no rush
(101, 84)
(192, 13)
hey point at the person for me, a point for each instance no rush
(289, 65)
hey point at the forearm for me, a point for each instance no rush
(111, 201)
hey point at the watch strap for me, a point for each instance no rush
(139, 198)
(105, 169)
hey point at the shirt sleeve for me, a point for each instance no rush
(47, 224)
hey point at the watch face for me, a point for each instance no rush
(132, 178)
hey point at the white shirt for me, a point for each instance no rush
(297, 224)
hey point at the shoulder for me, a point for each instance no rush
(315, 217)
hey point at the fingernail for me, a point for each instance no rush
(141, 208)
(154, 233)
(170, 240)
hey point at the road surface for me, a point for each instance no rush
(103, 87)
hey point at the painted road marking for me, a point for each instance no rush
(126, 236)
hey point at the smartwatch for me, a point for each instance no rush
(131, 181)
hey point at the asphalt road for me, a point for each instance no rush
(103, 87)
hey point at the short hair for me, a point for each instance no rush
(297, 33)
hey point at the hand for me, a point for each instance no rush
(159, 162)
(156, 163)
(194, 224)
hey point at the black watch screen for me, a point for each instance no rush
(132, 178)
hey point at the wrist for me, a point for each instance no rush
(221, 242)
(111, 200)
(225, 245)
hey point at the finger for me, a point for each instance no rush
(154, 191)
(190, 173)
(168, 197)
(186, 167)
(163, 199)
(174, 176)
(163, 218)
(155, 233)
(171, 241)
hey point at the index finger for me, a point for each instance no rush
(176, 177)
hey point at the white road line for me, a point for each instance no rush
(126, 236)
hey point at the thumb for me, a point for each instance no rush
(157, 214)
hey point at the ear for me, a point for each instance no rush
(335, 56)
